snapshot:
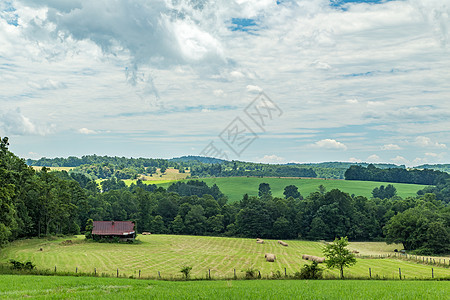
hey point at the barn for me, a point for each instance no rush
(123, 230)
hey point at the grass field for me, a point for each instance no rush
(57, 287)
(236, 187)
(37, 168)
(168, 253)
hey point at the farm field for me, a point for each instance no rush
(236, 187)
(38, 168)
(167, 254)
(58, 287)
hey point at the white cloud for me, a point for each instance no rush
(355, 160)
(321, 65)
(219, 93)
(351, 101)
(271, 159)
(253, 88)
(15, 123)
(423, 141)
(329, 144)
(390, 147)
(86, 131)
(48, 84)
(400, 160)
(373, 158)
(34, 155)
(431, 154)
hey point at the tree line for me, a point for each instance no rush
(58, 202)
(400, 175)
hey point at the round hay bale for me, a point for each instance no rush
(270, 257)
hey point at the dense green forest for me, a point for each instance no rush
(416, 176)
(41, 203)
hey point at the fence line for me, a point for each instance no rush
(443, 262)
(257, 275)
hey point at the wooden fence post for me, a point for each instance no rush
(285, 273)
(209, 273)
(234, 273)
(139, 273)
(400, 273)
(370, 273)
(55, 269)
(432, 273)
(159, 274)
(117, 272)
(76, 270)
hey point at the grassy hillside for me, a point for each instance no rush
(57, 287)
(168, 253)
(236, 187)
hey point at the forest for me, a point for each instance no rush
(43, 203)
(372, 173)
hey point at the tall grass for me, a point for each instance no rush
(121, 288)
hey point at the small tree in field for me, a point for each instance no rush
(338, 256)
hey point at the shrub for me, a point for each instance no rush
(312, 271)
(251, 273)
(17, 265)
(186, 270)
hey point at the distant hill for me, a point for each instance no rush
(200, 159)
(438, 167)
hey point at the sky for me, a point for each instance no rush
(254, 80)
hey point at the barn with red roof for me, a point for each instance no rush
(124, 230)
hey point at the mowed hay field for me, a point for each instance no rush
(168, 253)
(236, 187)
(57, 287)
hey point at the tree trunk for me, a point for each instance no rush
(342, 272)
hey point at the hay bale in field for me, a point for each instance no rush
(320, 260)
(316, 259)
(306, 257)
(146, 233)
(355, 251)
(260, 241)
(270, 257)
(282, 243)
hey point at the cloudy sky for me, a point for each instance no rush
(342, 80)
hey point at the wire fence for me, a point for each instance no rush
(434, 274)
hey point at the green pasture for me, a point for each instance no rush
(57, 287)
(166, 254)
(236, 187)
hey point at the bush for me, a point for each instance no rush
(312, 271)
(186, 270)
(276, 275)
(17, 265)
(251, 273)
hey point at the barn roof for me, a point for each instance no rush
(113, 228)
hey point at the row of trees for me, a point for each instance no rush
(400, 175)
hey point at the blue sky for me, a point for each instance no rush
(350, 80)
